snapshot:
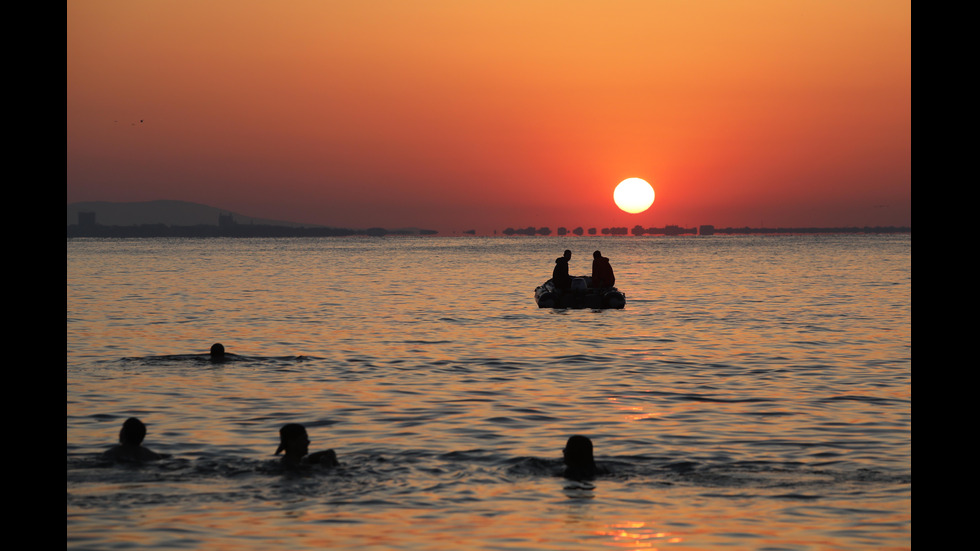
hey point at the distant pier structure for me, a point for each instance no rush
(706, 229)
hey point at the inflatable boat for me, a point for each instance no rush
(580, 295)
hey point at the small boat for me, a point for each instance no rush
(580, 295)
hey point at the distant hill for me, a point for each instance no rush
(170, 213)
(183, 219)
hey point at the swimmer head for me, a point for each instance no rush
(293, 440)
(217, 351)
(132, 433)
(578, 452)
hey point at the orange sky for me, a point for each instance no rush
(458, 115)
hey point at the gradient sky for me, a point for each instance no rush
(456, 114)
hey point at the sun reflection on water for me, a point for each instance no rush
(636, 535)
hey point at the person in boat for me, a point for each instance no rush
(579, 463)
(130, 448)
(560, 275)
(294, 441)
(602, 272)
(217, 352)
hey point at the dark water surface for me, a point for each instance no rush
(754, 394)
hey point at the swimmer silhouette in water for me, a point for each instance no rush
(217, 352)
(579, 463)
(130, 448)
(294, 441)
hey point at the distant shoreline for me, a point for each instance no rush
(261, 231)
(172, 218)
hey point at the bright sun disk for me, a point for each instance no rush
(633, 195)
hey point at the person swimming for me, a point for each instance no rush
(217, 352)
(296, 443)
(579, 463)
(130, 448)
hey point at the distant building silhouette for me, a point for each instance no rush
(226, 221)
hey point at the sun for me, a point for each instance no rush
(633, 195)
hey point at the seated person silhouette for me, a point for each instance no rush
(130, 447)
(560, 275)
(579, 463)
(294, 441)
(217, 352)
(602, 272)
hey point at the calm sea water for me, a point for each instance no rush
(755, 393)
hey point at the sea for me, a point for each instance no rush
(754, 393)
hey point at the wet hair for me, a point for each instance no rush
(217, 351)
(132, 433)
(578, 447)
(596, 254)
(289, 432)
(579, 463)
